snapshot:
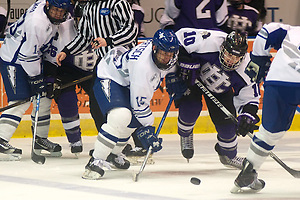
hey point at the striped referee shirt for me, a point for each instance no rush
(112, 20)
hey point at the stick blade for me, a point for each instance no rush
(37, 158)
(135, 177)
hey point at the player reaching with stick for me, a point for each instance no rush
(126, 81)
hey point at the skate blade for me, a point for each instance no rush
(47, 153)
(10, 157)
(260, 184)
(91, 175)
(244, 190)
(138, 160)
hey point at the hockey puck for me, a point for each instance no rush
(195, 181)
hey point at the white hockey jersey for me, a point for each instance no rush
(66, 33)
(285, 68)
(28, 38)
(136, 70)
(205, 45)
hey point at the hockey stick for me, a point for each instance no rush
(36, 158)
(294, 173)
(136, 175)
(59, 87)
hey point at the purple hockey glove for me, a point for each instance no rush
(147, 138)
(246, 124)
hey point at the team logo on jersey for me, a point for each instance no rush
(104, 11)
(214, 78)
(106, 88)
(12, 77)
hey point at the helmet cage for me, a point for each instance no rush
(235, 45)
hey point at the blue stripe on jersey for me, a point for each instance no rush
(16, 118)
(262, 143)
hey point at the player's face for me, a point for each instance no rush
(230, 59)
(163, 56)
(57, 13)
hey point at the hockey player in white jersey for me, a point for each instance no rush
(21, 66)
(124, 87)
(281, 96)
(217, 60)
(74, 67)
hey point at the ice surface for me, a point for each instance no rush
(168, 178)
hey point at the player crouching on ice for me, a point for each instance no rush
(124, 87)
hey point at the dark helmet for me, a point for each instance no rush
(78, 8)
(64, 4)
(234, 46)
(236, 3)
(166, 41)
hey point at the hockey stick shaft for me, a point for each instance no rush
(36, 158)
(293, 172)
(61, 87)
(157, 132)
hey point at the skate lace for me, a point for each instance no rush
(236, 161)
(120, 159)
(187, 142)
(76, 144)
(136, 149)
(47, 143)
(101, 163)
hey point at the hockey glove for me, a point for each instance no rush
(37, 84)
(147, 138)
(175, 85)
(53, 87)
(258, 67)
(246, 124)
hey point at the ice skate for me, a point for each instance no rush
(187, 146)
(236, 162)
(247, 181)
(137, 155)
(118, 161)
(76, 147)
(43, 144)
(9, 153)
(94, 169)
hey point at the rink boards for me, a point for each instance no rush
(158, 105)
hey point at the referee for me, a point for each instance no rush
(104, 25)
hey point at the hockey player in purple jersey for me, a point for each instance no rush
(21, 67)
(281, 96)
(195, 13)
(218, 60)
(242, 18)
